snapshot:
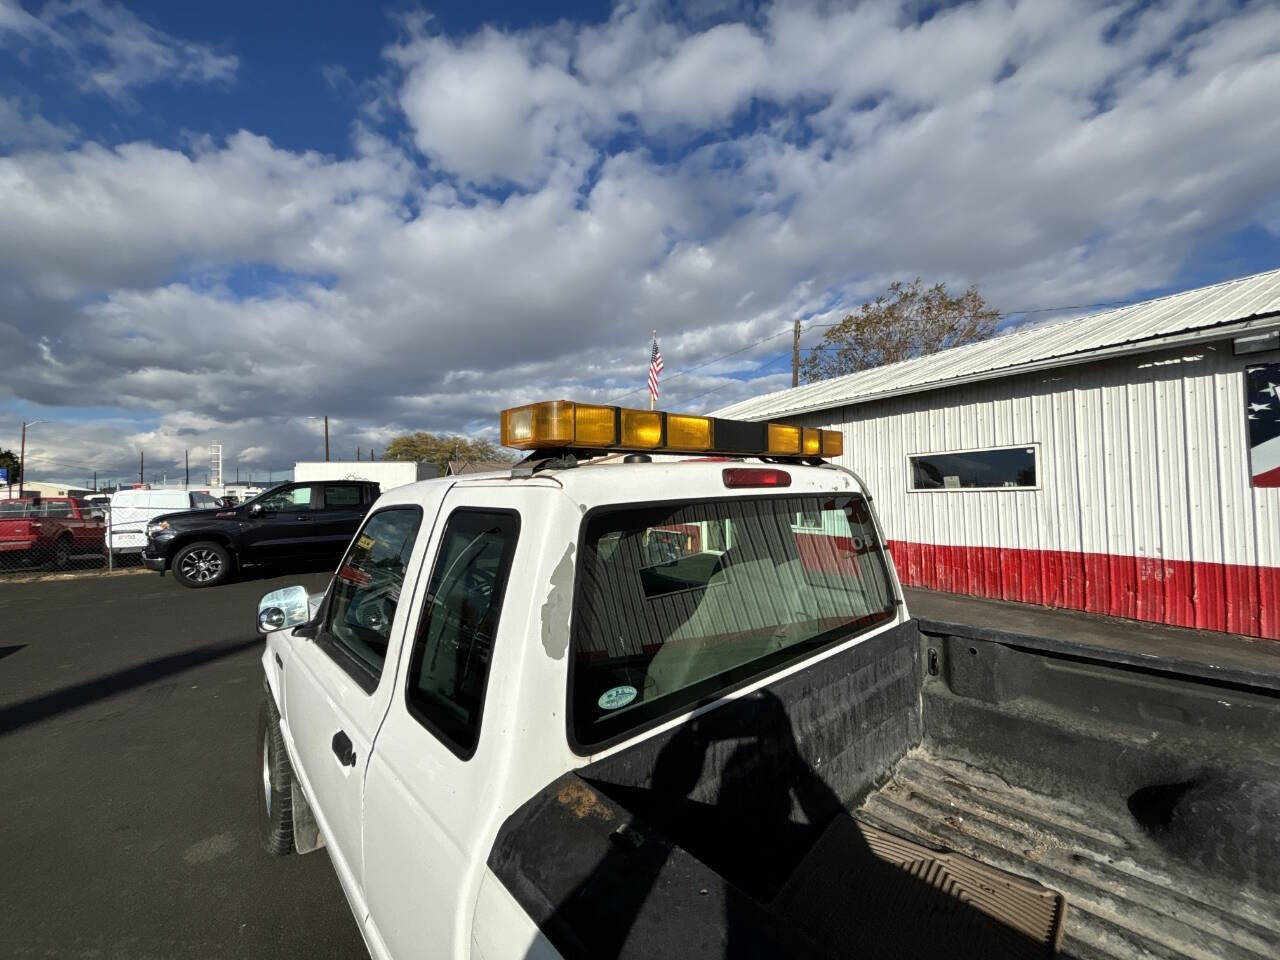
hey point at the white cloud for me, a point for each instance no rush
(111, 50)
(22, 130)
(494, 107)
(565, 190)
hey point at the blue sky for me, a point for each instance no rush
(223, 219)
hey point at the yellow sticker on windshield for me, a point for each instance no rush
(366, 542)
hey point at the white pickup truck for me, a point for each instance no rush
(655, 693)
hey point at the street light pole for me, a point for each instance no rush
(22, 455)
(325, 418)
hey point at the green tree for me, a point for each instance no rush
(908, 321)
(9, 461)
(422, 447)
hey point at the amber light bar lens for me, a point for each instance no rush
(595, 426)
(784, 440)
(688, 433)
(811, 442)
(546, 424)
(832, 443)
(641, 428)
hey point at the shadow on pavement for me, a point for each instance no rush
(5, 651)
(48, 705)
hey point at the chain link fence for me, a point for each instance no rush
(54, 534)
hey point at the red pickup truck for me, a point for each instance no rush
(49, 530)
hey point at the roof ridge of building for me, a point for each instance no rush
(1021, 334)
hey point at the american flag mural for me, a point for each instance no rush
(1263, 405)
(655, 368)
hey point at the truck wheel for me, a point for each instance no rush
(203, 564)
(273, 784)
(61, 553)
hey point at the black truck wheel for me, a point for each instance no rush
(273, 784)
(201, 564)
(62, 553)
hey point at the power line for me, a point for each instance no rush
(818, 326)
(729, 383)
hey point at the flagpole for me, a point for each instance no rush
(651, 343)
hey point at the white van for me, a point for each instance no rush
(132, 510)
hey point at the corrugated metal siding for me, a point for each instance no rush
(1069, 341)
(1145, 507)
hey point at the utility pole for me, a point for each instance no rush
(95, 481)
(357, 454)
(326, 438)
(142, 463)
(795, 355)
(186, 459)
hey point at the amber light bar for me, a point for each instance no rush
(554, 424)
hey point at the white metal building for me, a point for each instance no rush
(388, 473)
(1126, 463)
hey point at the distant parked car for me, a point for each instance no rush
(294, 521)
(52, 530)
(132, 510)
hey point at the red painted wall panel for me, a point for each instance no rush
(1210, 596)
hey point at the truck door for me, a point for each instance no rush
(430, 787)
(285, 527)
(337, 684)
(341, 509)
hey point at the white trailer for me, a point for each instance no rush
(388, 474)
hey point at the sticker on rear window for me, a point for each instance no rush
(366, 542)
(616, 697)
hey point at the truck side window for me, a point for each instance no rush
(290, 500)
(450, 662)
(337, 496)
(367, 587)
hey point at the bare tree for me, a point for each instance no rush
(909, 321)
(441, 448)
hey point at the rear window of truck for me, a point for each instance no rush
(677, 604)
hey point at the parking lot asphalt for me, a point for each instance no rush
(128, 777)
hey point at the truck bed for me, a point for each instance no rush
(1145, 793)
(1126, 895)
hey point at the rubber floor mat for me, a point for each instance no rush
(863, 892)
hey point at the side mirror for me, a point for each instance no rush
(256, 510)
(283, 608)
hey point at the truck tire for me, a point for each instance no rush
(201, 564)
(61, 553)
(274, 784)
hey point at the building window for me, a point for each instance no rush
(994, 469)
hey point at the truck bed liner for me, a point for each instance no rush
(1126, 896)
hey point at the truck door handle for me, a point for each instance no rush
(343, 750)
(303, 517)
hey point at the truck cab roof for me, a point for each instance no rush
(612, 480)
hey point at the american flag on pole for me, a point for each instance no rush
(655, 368)
(1263, 412)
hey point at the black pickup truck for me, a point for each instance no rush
(290, 522)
